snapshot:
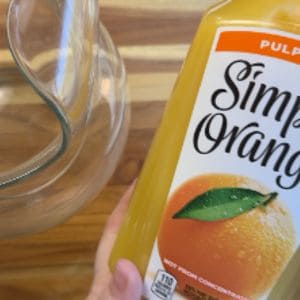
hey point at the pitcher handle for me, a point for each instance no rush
(68, 96)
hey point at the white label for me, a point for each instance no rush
(243, 134)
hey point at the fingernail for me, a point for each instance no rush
(119, 279)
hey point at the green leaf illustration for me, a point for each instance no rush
(223, 203)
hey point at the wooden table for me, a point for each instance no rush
(153, 38)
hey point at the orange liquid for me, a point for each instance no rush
(137, 235)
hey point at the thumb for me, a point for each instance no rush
(126, 283)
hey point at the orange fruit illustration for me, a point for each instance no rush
(243, 255)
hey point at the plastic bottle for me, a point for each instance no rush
(214, 212)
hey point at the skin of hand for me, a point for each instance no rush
(125, 282)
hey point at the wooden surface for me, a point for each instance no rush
(153, 37)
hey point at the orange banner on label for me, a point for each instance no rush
(260, 43)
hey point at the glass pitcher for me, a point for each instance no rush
(63, 111)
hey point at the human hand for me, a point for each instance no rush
(125, 282)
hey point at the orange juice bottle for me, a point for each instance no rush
(215, 213)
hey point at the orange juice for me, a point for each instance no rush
(214, 213)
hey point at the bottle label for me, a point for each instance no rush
(231, 222)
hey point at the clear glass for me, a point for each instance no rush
(63, 111)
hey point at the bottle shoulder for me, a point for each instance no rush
(263, 14)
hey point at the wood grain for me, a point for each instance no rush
(153, 37)
(37, 267)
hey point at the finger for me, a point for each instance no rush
(126, 283)
(102, 272)
(110, 232)
(116, 218)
